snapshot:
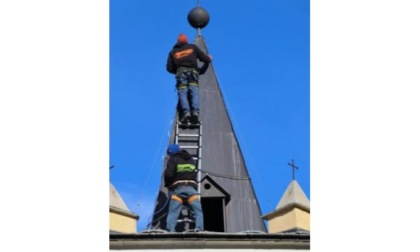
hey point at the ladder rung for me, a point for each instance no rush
(186, 220)
(189, 147)
(188, 125)
(188, 135)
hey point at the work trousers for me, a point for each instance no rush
(187, 87)
(184, 192)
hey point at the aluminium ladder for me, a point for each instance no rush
(189, 138)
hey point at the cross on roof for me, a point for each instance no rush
(293, 168)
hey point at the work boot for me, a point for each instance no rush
(195, 119)
(185, 118)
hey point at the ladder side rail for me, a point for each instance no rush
(176, 132)
(199, 160)
(178, 138)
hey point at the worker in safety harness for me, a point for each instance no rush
(182, 61)
(181, 180)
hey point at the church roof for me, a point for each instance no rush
(292, 197)
(115, 199)
(117, 204)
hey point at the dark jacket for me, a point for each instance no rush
(186, 55)
(180, 166)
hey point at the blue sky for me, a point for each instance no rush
(261, 59)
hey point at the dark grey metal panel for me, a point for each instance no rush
(222, 159)
(212, 189)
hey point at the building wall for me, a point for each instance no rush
(295, 218)
(303, 219)
(121, 223)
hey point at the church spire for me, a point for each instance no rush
(228, 198)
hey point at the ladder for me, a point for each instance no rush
(189, 138)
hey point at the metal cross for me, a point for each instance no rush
(293, 168)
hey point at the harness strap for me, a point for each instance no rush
(180, 200)
(192, 198)
(176, 198)
(185, 182)
(183, 86)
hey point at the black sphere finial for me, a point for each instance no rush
(198, 17)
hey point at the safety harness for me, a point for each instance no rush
(190, 74)
(184, 201)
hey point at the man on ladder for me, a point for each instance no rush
(181, 179)
(182, 61)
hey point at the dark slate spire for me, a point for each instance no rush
(227, 195)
